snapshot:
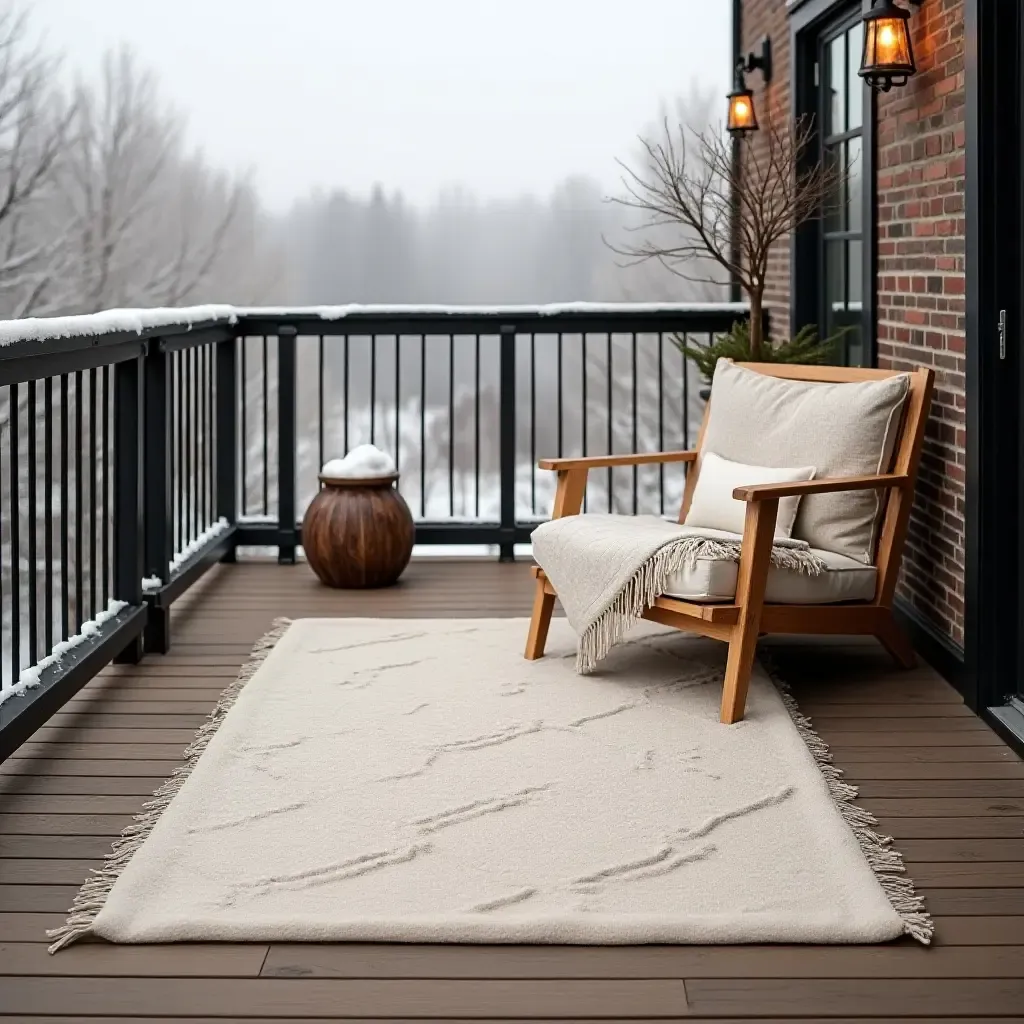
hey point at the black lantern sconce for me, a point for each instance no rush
(888, 57)
(742, 116)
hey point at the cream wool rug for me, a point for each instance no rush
(418, 781)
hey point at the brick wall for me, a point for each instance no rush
(761, 18)
(921, 319)
(920, 157)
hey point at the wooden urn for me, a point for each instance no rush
(358, 532)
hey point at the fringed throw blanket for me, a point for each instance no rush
(608, 569)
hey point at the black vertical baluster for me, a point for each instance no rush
(65, 564)
(129, 557)
(583, 421)
(202, 386)
(286, 444)
(533, 424)
(266, 428)
(194, 426)
(79, 532)
(184, 460)
(32, 468)
(93, 498)
(398, 399)
(423, 426)
(373, 387)
(345, 390)
(507, 441)
(558, 395)
(211, 431)
(227, 435)
(320, 400)
(686, 394)
(611, 439)
(48, 514)
(243, 447)
(161, 481)
(661, 423)
(451, 424)
(15, 532)
(105, 556)
(180, 483)
(635, 475)
(476, 428)
(208, 513)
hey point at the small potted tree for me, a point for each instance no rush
(726, 211)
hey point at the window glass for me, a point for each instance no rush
(855, 179)
(855, 261)
(855, 87)
(837, 85)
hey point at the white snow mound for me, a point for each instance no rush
(361, 463)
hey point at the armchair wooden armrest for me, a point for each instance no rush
(602, 461)
(765, 492)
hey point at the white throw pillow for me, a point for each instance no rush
(714, 507)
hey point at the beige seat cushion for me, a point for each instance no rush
(840, 429)
(713, 579)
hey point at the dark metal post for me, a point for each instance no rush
(286, 375)
(158, 491)
(507, 441)
(227, 435)
(129, 556)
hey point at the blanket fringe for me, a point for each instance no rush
(886, 862)
(648, 583)
(93, 895)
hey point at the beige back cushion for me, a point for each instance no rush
(840, 429)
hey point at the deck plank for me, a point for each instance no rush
(941, 782)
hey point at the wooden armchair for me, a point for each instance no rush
(740, 621)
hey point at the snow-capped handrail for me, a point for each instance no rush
(91, 328)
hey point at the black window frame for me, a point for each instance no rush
(810, 24)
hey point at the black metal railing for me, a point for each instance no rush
(132, 460)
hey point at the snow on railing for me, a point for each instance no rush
(32, 675)
(138, 320)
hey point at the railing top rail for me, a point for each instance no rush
(40, 336)
(36, 336)
(550, 318)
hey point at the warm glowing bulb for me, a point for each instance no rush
(742, 109)
(886, 36)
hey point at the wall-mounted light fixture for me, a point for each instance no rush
(888, 57)
(742, 116)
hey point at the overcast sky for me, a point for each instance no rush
(502, 97)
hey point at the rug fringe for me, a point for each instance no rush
(886, 862)
(94, 892)
(648, 583)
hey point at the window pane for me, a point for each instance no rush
(835, 204)
(855, 256)
(835, 277)
(837, 86)
(855, 180)
(854, 46)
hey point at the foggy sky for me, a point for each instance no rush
(500, 97)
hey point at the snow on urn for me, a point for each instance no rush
(358, 530)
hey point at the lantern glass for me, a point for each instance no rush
(888, 57)
(742, 116)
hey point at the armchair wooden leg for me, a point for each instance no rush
(755, 558)
(893, 637)
(738, 667)
(540, 620)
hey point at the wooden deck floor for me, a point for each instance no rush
(939, 780)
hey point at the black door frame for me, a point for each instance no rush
(806, 23)
(994, 645)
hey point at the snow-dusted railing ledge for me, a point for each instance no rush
(92, 328)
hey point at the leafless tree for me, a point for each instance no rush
(689, 179)
(34, 123)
